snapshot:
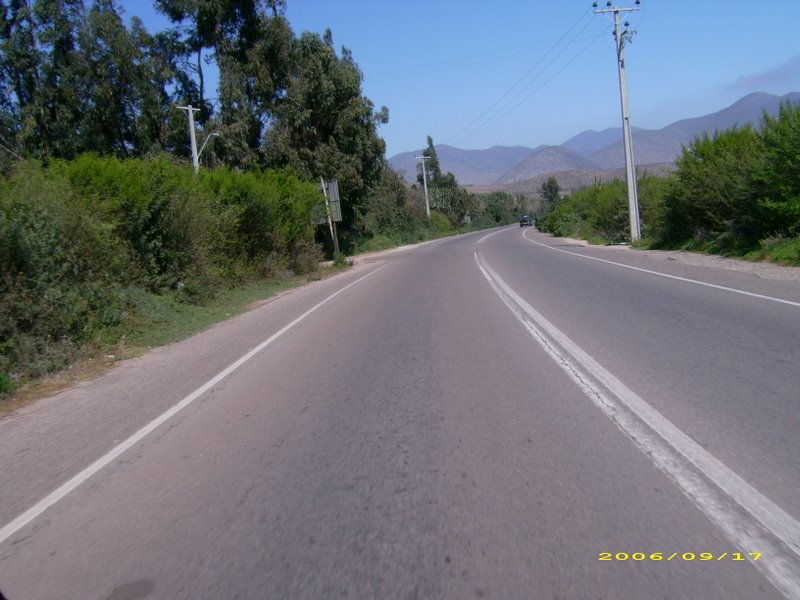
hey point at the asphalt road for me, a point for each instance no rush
(483, 417)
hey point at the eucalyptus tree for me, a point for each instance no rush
(19, 73)
(324, 126)
(250, 43)
(63, 84)
(433, 171)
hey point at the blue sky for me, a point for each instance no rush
(478, 74)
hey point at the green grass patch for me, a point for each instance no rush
(6, 385)
(151, 320)
(778, 250)
(165, 319)
(784, 251)
(382, 241)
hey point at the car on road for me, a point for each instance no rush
(526, 221)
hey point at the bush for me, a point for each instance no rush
(714, 192)
(779, 179)
(563, 223)
(599, 212)
(778, 249)
(380, 242)
(653, 196)
(440, 222)
(734, 192)
(6, 384)
(83, 242)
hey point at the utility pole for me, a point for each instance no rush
(425, 183)
(192, 136)
(620, 38)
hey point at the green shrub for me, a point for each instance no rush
(778, 249)
(599, 212)
(6, 384)
(714, 192)
(779, 178)
(563, 223)
(379, 242)
(85, 244)
(440, 222)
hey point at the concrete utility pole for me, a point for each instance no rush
(425, 183)
(630, 169)
(193, 137)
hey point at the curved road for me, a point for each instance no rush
(482, 417)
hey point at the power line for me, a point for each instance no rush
(510, 110)
(512, 104)
(467, 127)
(454, 63)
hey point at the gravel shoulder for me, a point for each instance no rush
(763, 270)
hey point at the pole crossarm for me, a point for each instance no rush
(615, 10)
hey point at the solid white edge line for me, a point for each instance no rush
(659, 274)
(658, 435)
(63, 490)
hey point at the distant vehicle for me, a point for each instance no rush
(526, 221)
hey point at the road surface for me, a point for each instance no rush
(488, 416)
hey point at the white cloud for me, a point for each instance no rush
(788, 72)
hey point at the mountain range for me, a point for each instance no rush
(590, 154)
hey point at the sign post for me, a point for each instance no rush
(334, 209)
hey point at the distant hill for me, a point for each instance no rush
(590, 152)
(469, 166)
(664, 145)
(569, 181)
(590, 141)
(550, 159)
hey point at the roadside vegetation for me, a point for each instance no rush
(102, 255)
(735, 193)
(109, 240)
(394, 213)
(96, 249)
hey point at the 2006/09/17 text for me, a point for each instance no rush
(686, 556)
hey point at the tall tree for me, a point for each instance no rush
(59, 98)
(780, 175)
(216, 26)
(155, 76)
(550, 192)
(324, 126)
(19, 71)
(445, 193)
(115, 83)
(714, 191)
(432, 169)
(250, 41)
(252, 78)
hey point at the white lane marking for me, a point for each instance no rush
(60, 492)
(665, 444)
(659, 274)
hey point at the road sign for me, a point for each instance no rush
(332, 192)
